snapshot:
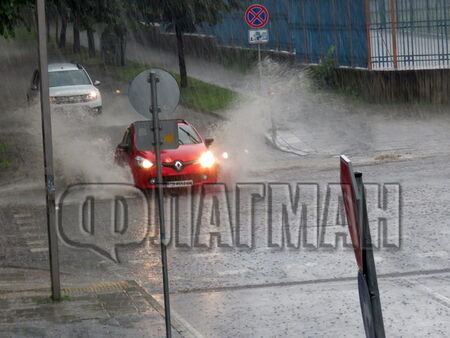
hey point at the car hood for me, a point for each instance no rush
(185, 152)
(71, 90)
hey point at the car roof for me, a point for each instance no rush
(58, 67)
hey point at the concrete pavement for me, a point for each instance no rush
(114, 309)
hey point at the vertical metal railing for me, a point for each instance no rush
(409, 34)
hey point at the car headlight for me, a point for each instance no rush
(93, 95)
(143, 162)
(207, 159)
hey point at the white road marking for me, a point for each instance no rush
(232, 272)
(434, 294)
(442, 254)
(28, 228)
(23, 221)
(31, 235)
(39, 249)
(23, 216)
(36, 243)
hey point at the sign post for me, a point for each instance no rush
(164, 98)
(154, 109)
(358, 223)
(256, 17)
(48, 152)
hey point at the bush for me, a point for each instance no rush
(324, 74)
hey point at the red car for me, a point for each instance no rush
(189, 164)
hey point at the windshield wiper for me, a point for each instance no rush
(190, 136)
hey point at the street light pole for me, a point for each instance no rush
(48, 152)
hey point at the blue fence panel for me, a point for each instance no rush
(360, 44)
(308, 27)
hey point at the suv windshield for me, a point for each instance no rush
(68, 78)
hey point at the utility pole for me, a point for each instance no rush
(48, 152)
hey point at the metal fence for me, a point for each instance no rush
(409, 34)
(373, 34)
(308, 28)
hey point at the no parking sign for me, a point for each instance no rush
(256, 16)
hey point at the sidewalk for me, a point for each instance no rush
(312, 122)
(99, 310)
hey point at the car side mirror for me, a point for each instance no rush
(208, 142)
(97, 83)
(124, 147)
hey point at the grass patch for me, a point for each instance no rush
(67, 51)
(130, 70)
(198, 95)
(49, 300)
(206, 96)
(25, 35)
(4, 163)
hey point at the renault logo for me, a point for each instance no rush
(178, 165)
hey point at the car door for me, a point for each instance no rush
(124, 148)
(33, 90)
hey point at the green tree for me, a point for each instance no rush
(11, 14)
(185, 16)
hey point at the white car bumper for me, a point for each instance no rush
(64, 103)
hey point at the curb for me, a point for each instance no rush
(282, 145)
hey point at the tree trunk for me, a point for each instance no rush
(123, 44)
(91, 42)
(48, 28)
(62, 33)
(181, 60)
(56, 29)
(76, 37)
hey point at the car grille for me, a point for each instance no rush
(70, 99)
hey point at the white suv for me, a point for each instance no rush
(69, 86)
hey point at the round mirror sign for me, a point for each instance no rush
(168, 92)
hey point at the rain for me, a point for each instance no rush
(298, 125)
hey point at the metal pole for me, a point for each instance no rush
(162, 228)
(394, 33)
(48, 151)
(370, 272)
(259, 68)
(368, 33)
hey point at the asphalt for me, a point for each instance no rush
(227, 292)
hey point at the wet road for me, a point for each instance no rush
(265, 290)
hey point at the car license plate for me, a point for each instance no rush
(178, 184)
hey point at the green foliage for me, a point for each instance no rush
(324, 75)
(11, 14)
(188, 14)
(4, 163)
(22, 34)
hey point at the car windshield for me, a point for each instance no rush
(144, 136)
(68, 78)
(187, 135)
